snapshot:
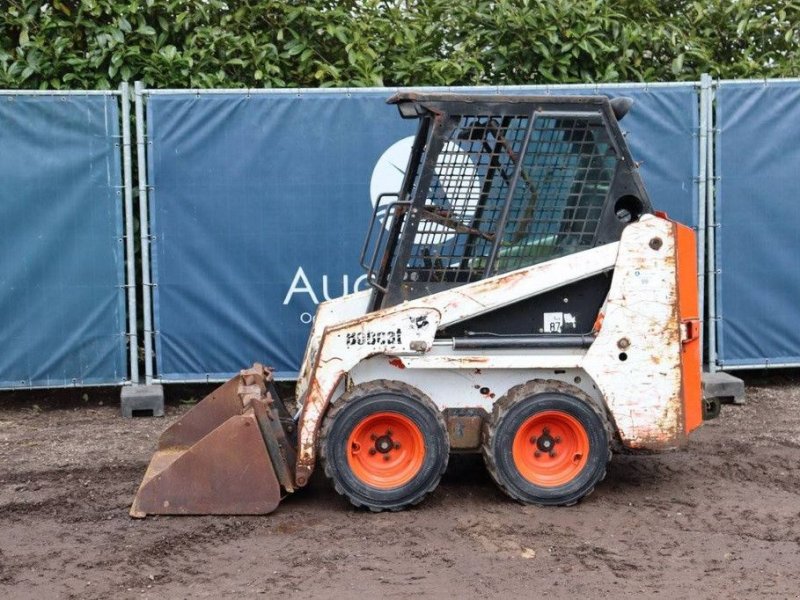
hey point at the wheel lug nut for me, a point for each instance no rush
(552, 453)
(397, 446)
(372, 450)
(557, 439)
(537, 454)
(373, 437)
(385, 457)
(533, 439)
(546, 431)
(389, 432)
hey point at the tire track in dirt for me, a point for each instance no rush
(70, 496)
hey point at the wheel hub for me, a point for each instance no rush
(384, 444)
(546, 442)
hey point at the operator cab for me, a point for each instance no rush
(497, 183)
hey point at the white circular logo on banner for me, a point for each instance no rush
(458, 179)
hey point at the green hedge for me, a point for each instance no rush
(279, 43)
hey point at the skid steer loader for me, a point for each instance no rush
(526, 303)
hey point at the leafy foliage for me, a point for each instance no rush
(312, 43)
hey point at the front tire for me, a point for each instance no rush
(384, 445)
(546, 446)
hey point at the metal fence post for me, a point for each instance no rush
(130, 253)
(702, 183)
(711, 225)
(144, 231)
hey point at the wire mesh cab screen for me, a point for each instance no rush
(537, 192)
(491, 193)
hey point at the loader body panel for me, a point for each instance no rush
(466, 387)
(329, 313)
(636, 358)
(410, 329)
(635, 366)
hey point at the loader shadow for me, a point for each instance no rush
(467, 480)
(466, 470)
(42, 400)
(628, 476)
(625, 472)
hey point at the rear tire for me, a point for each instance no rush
(546, 444)
(384, 445)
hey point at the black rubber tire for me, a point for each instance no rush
(711, 408)
(513, 410)
(379, 396)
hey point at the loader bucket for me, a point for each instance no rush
(230, 454)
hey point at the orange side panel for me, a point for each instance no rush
(688, 308)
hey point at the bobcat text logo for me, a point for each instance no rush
(374, 338)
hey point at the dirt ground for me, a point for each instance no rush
(720, 519)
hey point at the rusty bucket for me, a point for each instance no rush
(230, 454)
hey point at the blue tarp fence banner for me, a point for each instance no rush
(757, 241)
(61, 252)
(260, 202)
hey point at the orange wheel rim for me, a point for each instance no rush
(385, 450)
(550, 448)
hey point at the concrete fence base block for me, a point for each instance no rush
(142, 401)
(724, 386)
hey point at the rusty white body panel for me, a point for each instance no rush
(338, 345)
(450, 387)
(458, 304)
(636, 358)
(437, 358)
(329, 313)
(633, 366)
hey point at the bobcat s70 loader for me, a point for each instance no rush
(526, 303)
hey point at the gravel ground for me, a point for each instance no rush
(718, 519)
